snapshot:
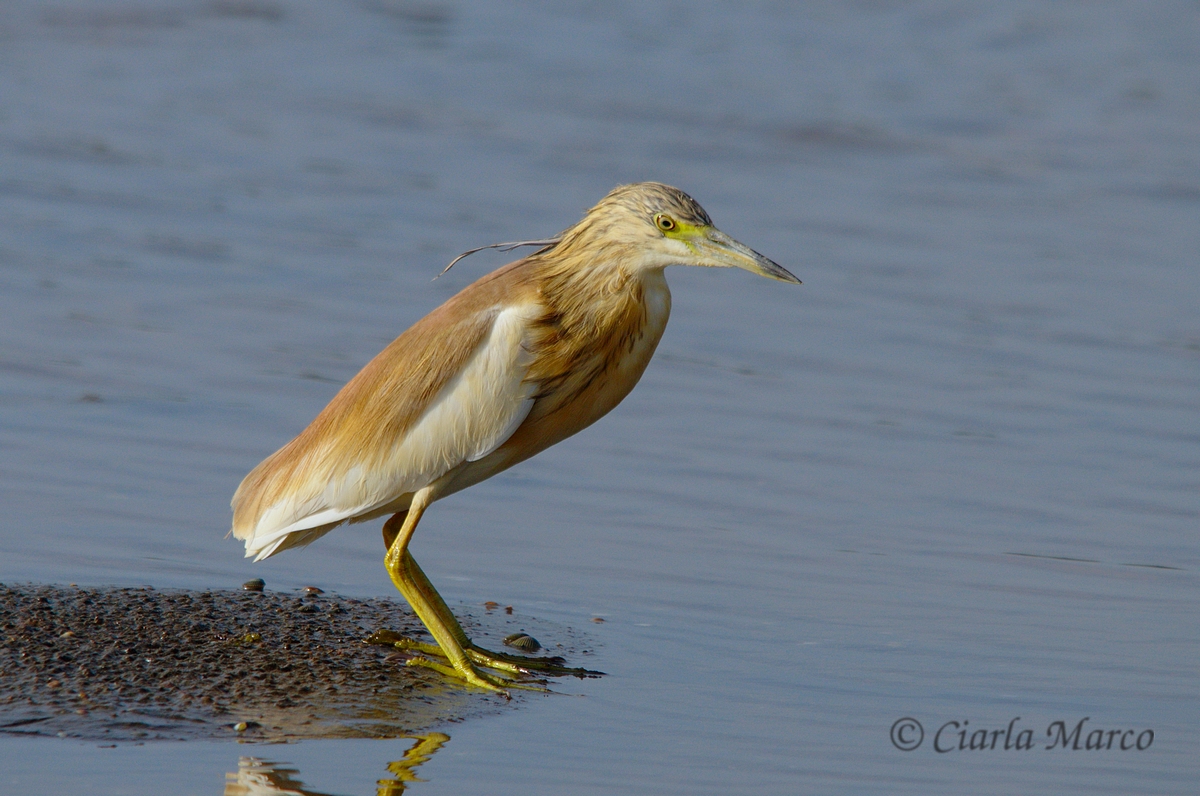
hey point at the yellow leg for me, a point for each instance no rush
(446, 635)
(513, 664)
(394, 529)
(413, 574)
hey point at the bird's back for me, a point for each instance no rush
(344, 465)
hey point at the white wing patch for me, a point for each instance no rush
(473, 415)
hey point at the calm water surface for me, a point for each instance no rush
(952, 477)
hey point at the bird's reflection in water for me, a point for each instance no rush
(256, 777)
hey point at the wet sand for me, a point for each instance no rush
(145, 664)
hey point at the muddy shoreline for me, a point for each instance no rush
(123, 664)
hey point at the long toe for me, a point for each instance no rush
(472, 677)
(550, 667)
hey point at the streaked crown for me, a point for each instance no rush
(648, 199)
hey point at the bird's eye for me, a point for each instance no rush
(664, 222)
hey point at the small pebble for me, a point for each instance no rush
(254, 585)
(312, 590)
(68, 634)
(491, 606)
(508, 609)
(598, 620)
(523, 642)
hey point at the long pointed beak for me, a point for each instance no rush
(720, 250)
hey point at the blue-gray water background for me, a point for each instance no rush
(953, 476)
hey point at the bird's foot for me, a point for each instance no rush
(512, 666)
(550, 666)
(473, 676)
(431, 656)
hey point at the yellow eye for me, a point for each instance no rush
(664, 222)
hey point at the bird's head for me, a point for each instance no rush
(657, 226)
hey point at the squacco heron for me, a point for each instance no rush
(519, 360)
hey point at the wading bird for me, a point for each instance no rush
(521, 359)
